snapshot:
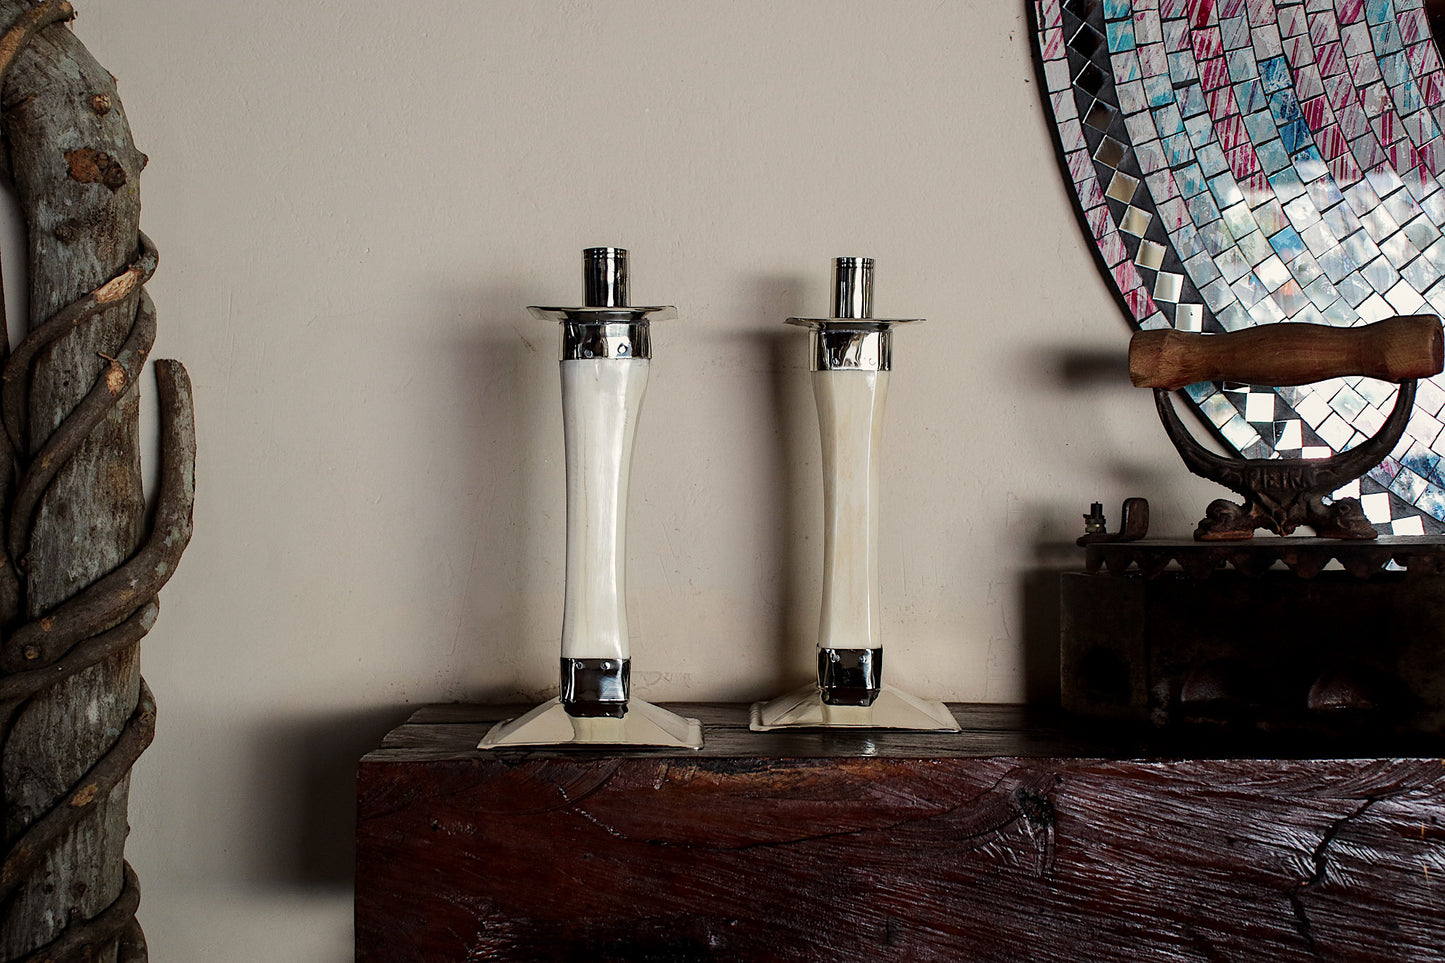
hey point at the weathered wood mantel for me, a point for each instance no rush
(1026, 836)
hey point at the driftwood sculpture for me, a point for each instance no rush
(79, 566)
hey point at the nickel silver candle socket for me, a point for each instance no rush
(606, 349)
(852, 355)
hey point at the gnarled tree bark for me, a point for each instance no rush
(78, 568)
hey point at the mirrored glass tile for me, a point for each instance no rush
(1158, 89)
(1354, 289)
(1284, 107)
(1261, 127)
(1178, 149)
(1071, 136)
(1413, 525)
(1127, 66)
(1376, 506)
(1270, 216)
(1265, 311)
(1226, 192)
(1168, 121)
(1312, 408)
(1151, 157)
(1289, 434)
(1242, 66)
(1368, 421)
(1176, 33)
(1233, 317)
(1286, 242)
(1319, 240)
(1191, 100)
(1217, 294)
(1384, 180)
(1306, 269)
(1335, 431)
(1321, 292)
(1402, 206)
(1347, 402)
(1310, 166)
(1434, 207)
(1290, 298)
(1217, 410)
(1140, 127)
(1259, 406)
(1407, 484)
(1200, 128)
(1086, 40)
(1100, 116)
(1147, 28)
(1272, 272)
(1181, 68)
(1376, 392)
(1385, 37)
(1110, 152)
(1186, 241)
(1056, 75)
(1341, 314)
(1239, 220)
(1404, 299)
(1211, 159)
(1189, 317)
(1361, 249)
(1394, 69)
(1249, 291)
(1231, 264)
(1215, 236)
(1238, 432)
(1122, 187)
(1340, 220)
(1274, 73)
(1202, 269)
(1131, 97)
(1234, 31)
(1375, 308)
(1167, 286)
(1362, 198)
(1379, 222)
(1090, 78)
(1421, 232)
(1255, 248)
(1381, 275)
(1426, 430)
(1308, 82)
(1398, 250)
(1429, 396)
(1136, 221)
(1190, 180)
(1287, 186)
(1116, 9)
(1335, 263)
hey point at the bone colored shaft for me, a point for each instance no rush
(850, 420)
(601, 399)
(1396, 349)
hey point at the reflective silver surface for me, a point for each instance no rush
(853, 287)
(850, 677)
(596, 687)
(852, 339)
(604, 276)
(605, 326)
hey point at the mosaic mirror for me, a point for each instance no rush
(1243, 162)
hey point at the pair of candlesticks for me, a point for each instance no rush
(606, 347)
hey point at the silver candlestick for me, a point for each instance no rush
(606, 349)
(851, 359)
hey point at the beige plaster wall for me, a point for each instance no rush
(354, 203)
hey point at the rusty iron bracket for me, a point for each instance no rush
(1283, 493)
(1133, 524)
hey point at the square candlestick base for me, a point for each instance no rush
(644, 724)
(893, 709)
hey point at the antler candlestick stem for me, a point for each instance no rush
(851, 360)
(606, 349)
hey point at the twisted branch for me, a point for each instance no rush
(113, 613)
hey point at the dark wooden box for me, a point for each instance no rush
(1025, 837)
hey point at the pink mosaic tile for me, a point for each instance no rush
(1200, 12)
(1316, 112)
(1206, 43)
(1350, 11)
(1345, 170)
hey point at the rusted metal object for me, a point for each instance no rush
(1133, 523)
(1282, 494)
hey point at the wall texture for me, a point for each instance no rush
(355, 201)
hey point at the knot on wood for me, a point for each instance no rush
(91, 166)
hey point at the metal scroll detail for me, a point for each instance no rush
(1282, 494)
(111, 615)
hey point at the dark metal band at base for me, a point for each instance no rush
(593, 688)
(850, 677)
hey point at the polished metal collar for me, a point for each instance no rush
(852, 339)
(605, 326)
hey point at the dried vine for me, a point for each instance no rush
(106, 618)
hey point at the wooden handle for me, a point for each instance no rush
(1396, 349)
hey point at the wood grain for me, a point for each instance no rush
(1396, 349)
(1026, 836)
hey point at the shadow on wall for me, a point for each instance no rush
(312, 760)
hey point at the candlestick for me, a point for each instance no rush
(851, 360)
(606, 351)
